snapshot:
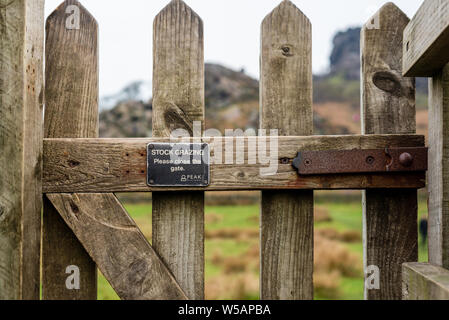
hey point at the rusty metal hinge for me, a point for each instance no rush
(361, 161)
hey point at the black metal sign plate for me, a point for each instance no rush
(178, 165)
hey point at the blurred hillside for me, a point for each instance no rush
(232, 98)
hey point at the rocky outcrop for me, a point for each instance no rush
(345, 57)
(232, 97)
(225, 87)
(127, 119)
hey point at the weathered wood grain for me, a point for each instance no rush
(286, 105)
(424, 281)
(119, 248)
(119, 165)
(438, 169)
(178, 101)
(388, 106)
(71, 111)
(21, 91)
(388, 99)
(426, 40)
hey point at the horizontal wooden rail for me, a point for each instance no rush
(424, 281)
(426, 40)
(120, 165)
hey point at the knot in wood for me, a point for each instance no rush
(387, 81)
(73, 163)
(287, 50)
(175, 118)
(74, 207)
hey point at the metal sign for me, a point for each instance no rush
(178, 165)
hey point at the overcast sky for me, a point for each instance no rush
(232, 32)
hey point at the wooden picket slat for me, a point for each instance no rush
(286, 105)
(71, 111)
(21, 86)
(120, 165)
(178, 101)
(426, 40)
(438, 169)
(388, 107)
(121, 251)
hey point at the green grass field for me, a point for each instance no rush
(231, 236)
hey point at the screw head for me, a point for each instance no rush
(151, 146)
(370, 160)
(406, 159)
(307, 162)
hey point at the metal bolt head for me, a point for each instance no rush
(151, 146)
(307, 162)
(370, 160)
(406, 159)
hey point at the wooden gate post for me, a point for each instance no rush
(71, 111)
(438, 169)
(426, 43)
(21, 91)
(388, 107)
(178, 101)
(286, 105)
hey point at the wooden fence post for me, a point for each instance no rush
(178, 101)
(286, 105)
(388, 107)
(21, 86)
(438, 169)
(71, 111)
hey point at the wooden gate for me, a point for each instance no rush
(84, 224)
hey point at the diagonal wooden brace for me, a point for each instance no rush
(117, 246)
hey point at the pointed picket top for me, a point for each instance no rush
(178, 54)
(179, 8)
(381, 45)
(63, 12)
(72, 46)
(286, 62)
(285, 10)
(388, 17)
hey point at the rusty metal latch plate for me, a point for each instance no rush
(361, 161)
